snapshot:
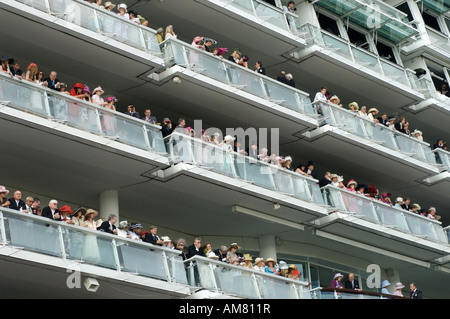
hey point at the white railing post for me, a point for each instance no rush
(2, 229)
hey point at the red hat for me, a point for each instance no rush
(66, 209)
(78, 85)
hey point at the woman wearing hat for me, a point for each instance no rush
(398, 289)
(259, 264)
(287, 163)
(97, 96)
(4, 202)
(5, 66)
(91, 252)
(271, 266)
(248, 261)
(78, 216)
(354, 107)
(351, 186)
(417, 134)
(65, 211)
(232, 257)
(337, 281)
(284, 269)
(372, 114)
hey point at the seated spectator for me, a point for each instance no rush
(148, 117)
(109, 225)
(15, 70)
(4, 202)
(16, 202)
(131, 111)
(52, 82)
(271, 267)
(354, 107)
(51, 211)
(417, 134)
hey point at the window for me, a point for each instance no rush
(386, 52)
(359, 39)
(328, 24)
(431, 21)
(404, 7)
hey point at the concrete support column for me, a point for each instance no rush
(109, 203)
(267, 247)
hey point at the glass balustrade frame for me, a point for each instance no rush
(183, 148)
(381, 213)
(67, 110)
(101, 21)
(360, 126)
(241, 281)
(237, 76)
(70, 242)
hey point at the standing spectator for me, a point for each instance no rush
(169, 33)
(290, 7)
(271, 266)
(417, 134)
(108, 226)
(135, 231)
(259, 264)
(28, 203)
(399, 202)
(310, 170)
(415, 293)
(371, 115)
(131, 111)
(383, 119)
(196, 249)
(4, 202)
(384, 287)
(354, 107)
(432, 214)
(439, 144)
(398, 289)
(259, 68)
(180, 246)
(109, 6)
(352, 282)
(406, 203)
(166, 129)
(221, 253)
(386, 198)
(35, 205)
(363, 111)
(65, 211)
(97, 96)
(152, 237)
(415, 208)
(148, 117)
(399, 126)
(16, 202)
(52, 82)
(32, 73)
(5, 65)
(290, 80)
(78, 216)
(337, 281)
(160, 34)
(51, 211)
(16, 71)
(122, 231)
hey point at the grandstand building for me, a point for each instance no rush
(390, 55)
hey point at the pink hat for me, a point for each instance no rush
(4, 190)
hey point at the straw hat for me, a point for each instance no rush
(90, 210)
(373, 110)
(248, 257)
(399, 285)
(354, 104)
(282, 264)
(109, 4)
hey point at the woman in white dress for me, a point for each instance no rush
(91, 252)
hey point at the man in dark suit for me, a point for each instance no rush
(352, 282)
(131, 111)
(108, 226)
(52, 82)
(51, 211)
(148, 117)
(152, 237)
(382, 119)
(16, 202)
(415, 293)
(196, 249)
(259, 69)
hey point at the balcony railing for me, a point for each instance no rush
(65, 109)
(360, 56)
(243, 282)
(442, 157)
(332, 293)
(69, 242)
(101, 21)
(267, 13)
(381, 134)
(232, 74)
(380, 213)
(183, 148)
